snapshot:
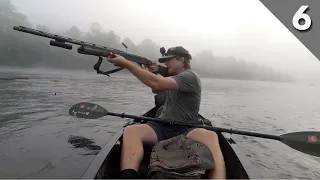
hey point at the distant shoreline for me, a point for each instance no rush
(50, 70)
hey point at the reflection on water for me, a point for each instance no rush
(13, 78)
(82, 142)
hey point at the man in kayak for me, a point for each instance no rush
(182, 104)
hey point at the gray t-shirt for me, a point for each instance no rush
(183, 104)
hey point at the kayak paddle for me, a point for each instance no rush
(307, 141)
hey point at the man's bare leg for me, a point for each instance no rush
(210, 139)
(134, 137)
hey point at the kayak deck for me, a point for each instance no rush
(111, 166)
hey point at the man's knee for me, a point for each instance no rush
(204, 136)
(211, 140)
(131, 130)
(141, 131)
(135, 130)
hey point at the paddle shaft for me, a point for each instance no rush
(307, 142)
(217, 129)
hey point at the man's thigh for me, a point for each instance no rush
(209, 139)
(204, 136)
(166, 131)
(145, 132)
(159, 129)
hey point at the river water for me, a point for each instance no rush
(39, 139)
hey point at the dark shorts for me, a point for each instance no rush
(167, 131)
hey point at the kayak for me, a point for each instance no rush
(106, 164)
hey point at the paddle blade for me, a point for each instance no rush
(87, 110)
(307, 142)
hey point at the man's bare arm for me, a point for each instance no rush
(156, 83)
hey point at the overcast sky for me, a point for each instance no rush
(243, 29)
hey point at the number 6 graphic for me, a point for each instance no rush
(301, 15)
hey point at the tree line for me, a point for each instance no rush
(26, 50)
